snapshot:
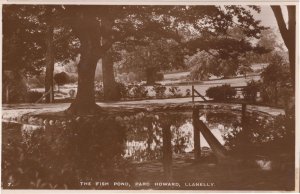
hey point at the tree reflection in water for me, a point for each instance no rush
(105, 149)
(144, 137)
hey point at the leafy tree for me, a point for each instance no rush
(23, 50)
(39, 40)
(117, 24)
(224, 57)
(275, 76)
(226, 44)
(288, 34)
(130, 24)
(152, 58)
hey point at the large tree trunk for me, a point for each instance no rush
(288, 34)
(292, 37)
(85, 98)
(150, 74)
(275, 95)
(110, 88)
(49, 64)
(87, 29)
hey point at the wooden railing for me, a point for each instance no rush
(50, 91)
(198, 94)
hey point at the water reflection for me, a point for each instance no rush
(102, 149)
(144, 137)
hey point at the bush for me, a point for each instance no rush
(72, 93)
(276, 135)
(123, 89)
(33, 96)
(99, 91)
(220, 93)
(61, 78)
(187, 92)
(139, 91)
(250, 91)
(175, 91)
(61, 157)
(159, 91)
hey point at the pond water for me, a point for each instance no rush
(145, 134)
(116, 152)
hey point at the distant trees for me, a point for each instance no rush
(156, 56)
(225, 49)
(221, 57)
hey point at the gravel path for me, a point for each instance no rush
(17, 110)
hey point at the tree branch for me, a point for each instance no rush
(292, 20)
(281, 23)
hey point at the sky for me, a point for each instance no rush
(268, 19)
(267, 16)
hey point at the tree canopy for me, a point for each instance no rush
(91, 31)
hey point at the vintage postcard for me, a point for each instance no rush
(170, 96)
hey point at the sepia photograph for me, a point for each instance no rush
(183, 97)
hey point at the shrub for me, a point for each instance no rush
(175, 91)
(224, 92)
(123, 89)
(72, 93)
(159, 91)
(276, 135)
(139, 91)
(61, 78)
(187, 92)
(33, 96)
(250, 91)
(61, 157)
(99, 91)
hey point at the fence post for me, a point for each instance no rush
(244, 133)
(51, 94)
(213, 142)
(167, 151)
(193, 93)
(197, 146)
(244, 115)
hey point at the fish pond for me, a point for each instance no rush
(128, 151)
